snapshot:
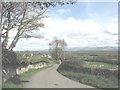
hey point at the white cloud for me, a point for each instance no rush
(112, 28)
(62, 11)
(76, 32)
(114, 20)
(31, 44)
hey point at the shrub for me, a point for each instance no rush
(9, 64)
(76, 66)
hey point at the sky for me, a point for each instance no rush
(84, 24)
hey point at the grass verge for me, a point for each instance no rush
(96, 81)
(25, 76)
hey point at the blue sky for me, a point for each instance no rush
(100, 11)
(84, 24)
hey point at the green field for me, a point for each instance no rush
(110, 57)
(95, 81)
(101, 65)
(95, 68)
(33, 59)
(81, 66)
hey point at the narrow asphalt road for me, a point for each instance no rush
(50, 78)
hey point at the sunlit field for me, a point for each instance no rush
(96, 68)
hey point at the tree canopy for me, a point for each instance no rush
(57, 47)
(23, 17)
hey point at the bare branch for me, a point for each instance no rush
(22, 16)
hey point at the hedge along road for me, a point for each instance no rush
(50, 78)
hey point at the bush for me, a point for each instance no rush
(76, 66)
(9, 58)
(9, 64)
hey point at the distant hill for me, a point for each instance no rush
(107, 48)
(33, 52)
(45, 51)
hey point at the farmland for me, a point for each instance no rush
(96, 68)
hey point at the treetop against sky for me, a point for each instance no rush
(83, 24)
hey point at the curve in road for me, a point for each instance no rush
(50, 78)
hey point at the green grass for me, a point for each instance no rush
(96, 81)
(31, 72)
(33, 59)
(25, 76)
(104, 60)
(98, 65)
(37, 58)
(97, 56)
(11, 85)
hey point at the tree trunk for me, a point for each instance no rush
(0, 51)
(16, 38)
(5, 41)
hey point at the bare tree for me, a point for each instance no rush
(23, 17)
(57, 47)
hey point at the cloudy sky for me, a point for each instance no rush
(81, 25)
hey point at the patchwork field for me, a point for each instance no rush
(96, 68)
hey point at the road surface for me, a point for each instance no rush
(50, 78)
